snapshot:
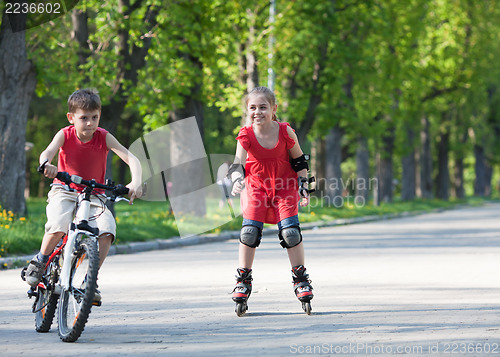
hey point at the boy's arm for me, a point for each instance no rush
(49, 153)
(296, 152)
(132, 161)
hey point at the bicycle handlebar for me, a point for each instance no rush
(65, 177)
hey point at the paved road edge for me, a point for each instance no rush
(176, 242)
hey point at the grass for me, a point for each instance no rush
(145, 221)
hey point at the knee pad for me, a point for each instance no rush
(250, 236)
(290, 237)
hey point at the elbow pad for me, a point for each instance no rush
(300, 163)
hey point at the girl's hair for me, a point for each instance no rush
(85, 99)
(267, 93)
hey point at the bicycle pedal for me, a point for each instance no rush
(32, 293)
(96, 303)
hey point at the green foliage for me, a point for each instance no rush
(375, 65)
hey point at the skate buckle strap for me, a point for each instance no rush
(303, 284)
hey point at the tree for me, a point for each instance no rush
(17, 84)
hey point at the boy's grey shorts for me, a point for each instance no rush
(61, 210)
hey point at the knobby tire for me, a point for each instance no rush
(47, 300)
(80, 294)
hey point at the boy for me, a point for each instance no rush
(83, 148)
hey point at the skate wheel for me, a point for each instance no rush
(241, 309)
(307, 307)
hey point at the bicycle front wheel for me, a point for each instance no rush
(47, 298)
(76, 300)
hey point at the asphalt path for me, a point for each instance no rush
(422, 285)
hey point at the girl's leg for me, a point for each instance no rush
(301, 283)
(296, 255)
(250, 235)
(246, 256)
(247, 253)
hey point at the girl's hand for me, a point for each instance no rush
(50, 171)
(238, 186)
(304, 201)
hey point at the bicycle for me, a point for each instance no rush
(70, 275)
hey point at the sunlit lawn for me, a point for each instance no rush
(151, 220)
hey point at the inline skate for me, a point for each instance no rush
(302, 287)
(242, 290)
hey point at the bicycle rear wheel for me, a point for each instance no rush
(76, 300)
(46, 303)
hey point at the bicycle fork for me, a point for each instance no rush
(69, 250)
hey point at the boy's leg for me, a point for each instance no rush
(50, 241)
(37, 264)
(105, 241)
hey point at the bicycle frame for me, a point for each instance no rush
(78, 227)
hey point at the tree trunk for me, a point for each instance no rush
(17, 84)
(385, 173)
(80, 34)
(425, 160)
(362, 171)
(443, 176)
(188, 174)
(333, 172)
(131, 60)
(480, 183)
(458, 171)
(489, 177)
(252, 73)
(408, 183)
(318, 164)
(316, 94)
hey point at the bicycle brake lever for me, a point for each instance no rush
(118, 199)
(41, 168)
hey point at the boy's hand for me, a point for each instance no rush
(135, 191)
(304, 201)
(50, 171)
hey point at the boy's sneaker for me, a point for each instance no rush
(97, 298)
(34, 272)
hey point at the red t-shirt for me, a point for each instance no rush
(87, 160)
(271, 187)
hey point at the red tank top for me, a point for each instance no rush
(271, 188)
(87, 160)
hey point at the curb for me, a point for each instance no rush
(177, 242)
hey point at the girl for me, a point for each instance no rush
(271, 165)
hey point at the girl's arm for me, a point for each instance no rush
(49, 153)
(135, 186)
(240, 158)
(296, 152)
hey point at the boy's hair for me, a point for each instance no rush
(267, 93)
(85, 99)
